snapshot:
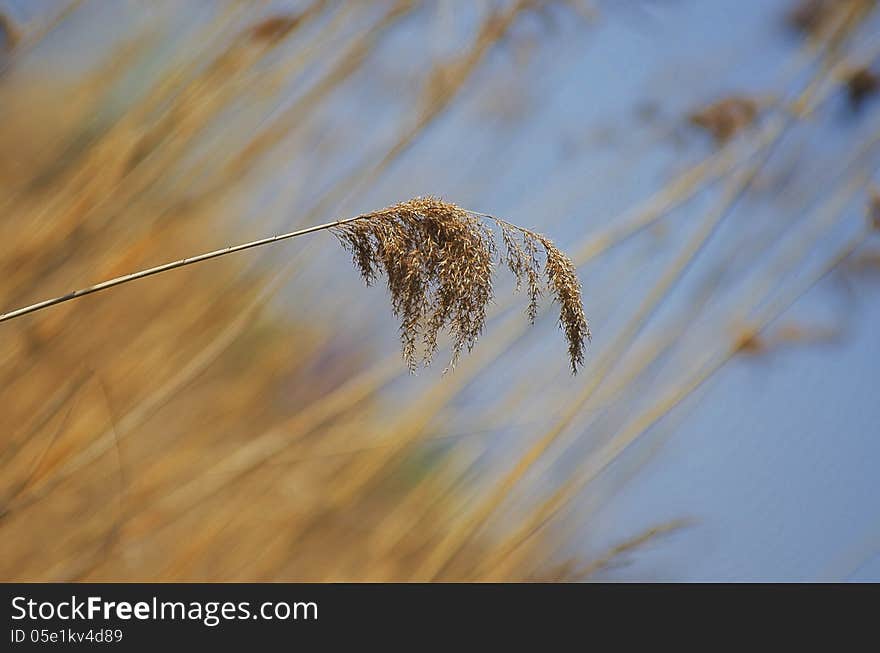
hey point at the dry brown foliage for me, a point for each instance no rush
(748, 341)
(811, 16)
(861, 84)
(276, 27)
(818, 18)
(751, 342)
(438, 260)
(726, 118)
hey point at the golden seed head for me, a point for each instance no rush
(438, 261)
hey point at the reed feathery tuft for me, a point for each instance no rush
(438, 260)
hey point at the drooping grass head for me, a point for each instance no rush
(438, 260)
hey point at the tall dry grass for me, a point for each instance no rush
(187, 427)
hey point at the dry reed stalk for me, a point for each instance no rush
(438, 260)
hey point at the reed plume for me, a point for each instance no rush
(438, 259)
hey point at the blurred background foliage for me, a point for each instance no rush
(709, 166)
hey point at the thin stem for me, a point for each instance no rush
(110, 283)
